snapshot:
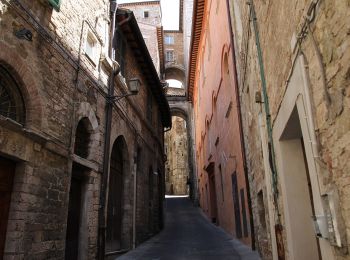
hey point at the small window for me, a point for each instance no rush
(91, 47)
(169, 56)
(145, 14)
(169, 39)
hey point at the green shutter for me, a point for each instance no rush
(55, 4)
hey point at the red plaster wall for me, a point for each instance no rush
(217, 130)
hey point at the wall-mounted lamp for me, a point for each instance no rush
(134, 86)
(24, 34)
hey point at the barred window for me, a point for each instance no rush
(11, 100)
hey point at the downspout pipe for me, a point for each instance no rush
(107, 139)
(236, 88)
(272, 156)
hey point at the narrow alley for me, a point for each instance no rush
(188, 234)
(174, 129)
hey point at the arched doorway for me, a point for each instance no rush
(75, 243)
(11, 107)
(115, 196)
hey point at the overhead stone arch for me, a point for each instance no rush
(179, 112)
(176, 73)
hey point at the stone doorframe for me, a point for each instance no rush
(296, 97)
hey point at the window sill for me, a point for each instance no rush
(91, 60)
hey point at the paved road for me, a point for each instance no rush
(189, 235)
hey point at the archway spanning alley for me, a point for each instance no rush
(176, 149)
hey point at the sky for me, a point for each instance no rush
(170, 12)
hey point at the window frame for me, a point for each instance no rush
(93, 57)
(173, 56)
(169, 40)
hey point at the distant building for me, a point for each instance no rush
(149, 18)
(176, 167)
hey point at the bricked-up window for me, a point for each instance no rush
(82, 138)
(120, 50)
(169, 56)
(11, 100)
(169, 39)
(145, 14)
(261, 211)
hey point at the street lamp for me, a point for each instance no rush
(134, 85)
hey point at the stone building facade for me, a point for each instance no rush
(294, 94)
(212, 88)
(59, 197)
(176, 166)
(149, 17)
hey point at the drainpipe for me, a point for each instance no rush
(271, 149)
(107, 139)
(135, 199)
(240, 128)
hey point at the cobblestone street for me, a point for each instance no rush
(189, 235)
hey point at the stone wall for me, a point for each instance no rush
(324, 47)
(61, 84)
(176, 167)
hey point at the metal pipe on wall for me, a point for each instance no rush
(272, 157)
(107, 139)
(251, 222)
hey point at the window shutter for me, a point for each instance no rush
(55, 4)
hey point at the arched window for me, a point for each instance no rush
(82, 138)
(11, 100)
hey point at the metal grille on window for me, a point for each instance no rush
(11, 100)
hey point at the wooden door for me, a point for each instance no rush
(213, 204)
(7, 171)
(114, 208)
(73, 221)
(236, 206)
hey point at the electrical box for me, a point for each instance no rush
(321, 226)
(332, 221)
